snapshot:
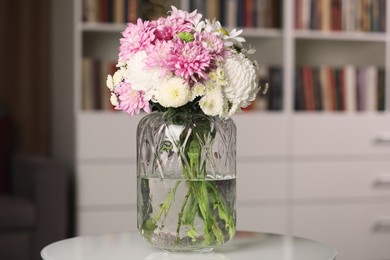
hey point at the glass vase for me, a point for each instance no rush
(186, 181)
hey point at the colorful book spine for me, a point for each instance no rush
(241, 13)
(341, 15)
(95, 94)
(273, 99)
(348, 88)
(110, 11)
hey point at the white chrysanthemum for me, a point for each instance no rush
(120, 64)
(242, 76)
(197, 90)
(141, 78)
(233, 38)
(212, 103)
(114, 99)
(110, 83)
(230, 38)
(173, 92)
(209, 26)
(118, 77)
(113, 81)
(218, 76)
(220, 72)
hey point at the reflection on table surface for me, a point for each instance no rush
(245, 245)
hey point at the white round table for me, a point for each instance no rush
(245, 245)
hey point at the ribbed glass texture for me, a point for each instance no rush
(186, 166)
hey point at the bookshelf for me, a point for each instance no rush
(294, 166)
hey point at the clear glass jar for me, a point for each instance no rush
(186, 180)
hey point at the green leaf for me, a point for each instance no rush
(164, 208)
(190, 212)
(148, 227)
(223, 215)
(193, 234)
(218, 233)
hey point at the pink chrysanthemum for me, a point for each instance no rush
(130, 100)
(136, 38)
(158, 56)
(213, 44)
(167, 29)
(184, 17)
(189, 60)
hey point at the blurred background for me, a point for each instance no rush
(312, 154)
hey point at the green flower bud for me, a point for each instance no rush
(186, 36)
(223, 31)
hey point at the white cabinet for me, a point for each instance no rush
(99, 221)
(262, 181)
(262, 218)
(106, 136)
(344, 203)
(359, 231)
(261, 135)
(106, 185)
(262, 197)
(341, 134)
(106, 197)
(341, 180)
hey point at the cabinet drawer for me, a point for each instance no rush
(330, 134)
(341, 179)
(99, 222)
(357, 232)
(261, 181)
(269, 219)
(106, 136)
(261, 134)
(106, 184)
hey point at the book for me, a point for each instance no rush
(276, 91)
(324, 81)
(231, 7)
(105, 69)
(381, 91)
(95, 94)
(119, 7)
(240, 13)
(308, 88)
(86, 91)
(132, 11)
(341, 105)
(305, 14)
(261, 102)
(103, 11)
(298, 15)
(325, 18)
(360, 89)
(298, 91)
(371, 88)
(212, 9)
(336, 15)
(350, 87)
(249, 14)
(317, 89)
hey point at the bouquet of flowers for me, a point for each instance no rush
(187, 69)
(180, 61)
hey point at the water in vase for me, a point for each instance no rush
(186, 215)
